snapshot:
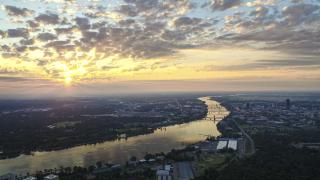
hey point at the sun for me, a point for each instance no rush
(67, 81)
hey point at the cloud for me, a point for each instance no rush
(27, 41)
(64, 30)
(148, 29)
(280, 39)
(127, 22)
(224, 4)
(46, 36)
(144, 5)
(128, 10)
(186, 21)
(107, 68)
(173, 35)
(49, 18)
(299, 13)
(19, 32)
(2, 34)
(302, 62)
(60, 45)
(257, 3)
(83, 23)
(15, 11)
(15, 79)
(260, 11)
(32, 24)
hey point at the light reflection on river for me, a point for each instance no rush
(162, 140)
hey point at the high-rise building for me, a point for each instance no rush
(288, 103)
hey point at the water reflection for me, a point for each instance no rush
(162, 140)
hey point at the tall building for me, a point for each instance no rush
(288, 103)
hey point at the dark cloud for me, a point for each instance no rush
(32, 24)
(60, 45)
(83, 23)
(127, 22)
(302, 62)
(16, 79)
(19, 32)
(2, 34)
(155, 27)
(186, 21)
(42, 62)
(66, 30)
(88, 36)
(15, 11)
(282, 39)
(299, 13)
(224, 4)
(173, 35)
(27, 41)
(9, 71)
(144, 5)
(46, 36)
(128, 10)
(107, 68)
(49, 18)
(5, 48)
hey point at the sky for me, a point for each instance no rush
(96, 47)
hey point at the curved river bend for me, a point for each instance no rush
(161, 140)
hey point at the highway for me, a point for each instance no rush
(251, 142)
(184, 171)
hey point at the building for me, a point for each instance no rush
(232, 144)
(163, 175)
(51, 177)
(222, 144)
(167, 168)
(164, 172)
(30, 178)
(288, 103)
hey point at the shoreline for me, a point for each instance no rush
(140, 135)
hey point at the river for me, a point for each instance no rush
(118, 152)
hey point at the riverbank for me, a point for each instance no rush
(117, 152)
(26, 133)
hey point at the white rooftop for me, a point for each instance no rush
(51, 176)
(163, 173)
(30, 178)
(233, 144)
(222, 144)
(167, 167)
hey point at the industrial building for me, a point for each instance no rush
(51, 177)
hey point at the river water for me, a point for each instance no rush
(118, 152)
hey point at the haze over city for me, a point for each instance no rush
(78, 47)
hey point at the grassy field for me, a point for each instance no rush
(66, 124)
(209, 160)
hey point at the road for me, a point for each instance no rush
(251, 142)
(184, 171)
